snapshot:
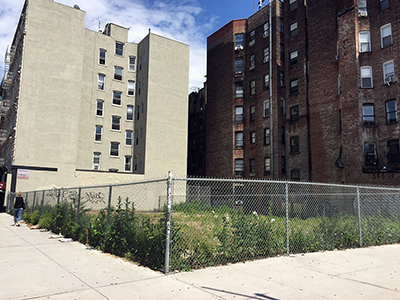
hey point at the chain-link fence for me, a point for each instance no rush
(189, 223)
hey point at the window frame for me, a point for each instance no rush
(128, 163)
(266, 108)
(252, 137)
(117, 150)
(294, 113)
(293, 29)
(252, 113)
(363, 41)
(127, 138)
(266, 82)
(239, 42)
(239, 68)
(393, 157)
(118, 73)
(239, 117)
(132, 66)
(131, 88)
(267, 165)
(388, 112)
(98, 133)
(295, 174)
(364, 78)
(292, 5)
(100, 111)
(129, 115)
(370, 156)
(388, 76)
(115, 126)
(119, 51)
(96, 156)
(266, 55)
(239, 89)
(266, 29)
(239, 143)
(252, 61)
(102, 56)
(239, 167)
(252, 167)
(384, 4)
(101, 81)
(293, 60)
(252, 87)
(267, 136)
(368, 118)
(383, 45)
(117, 98)
(294, 88)
(294, 144)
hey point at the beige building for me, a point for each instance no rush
(82, 107)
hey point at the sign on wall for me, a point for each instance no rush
(23, 174)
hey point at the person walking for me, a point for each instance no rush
(19, 205)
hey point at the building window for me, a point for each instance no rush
(363, 8)
(370, 154)
(391, 112)
(99, 108)
(239, 41)
(281, 79)
(294, 113)
(239, 89)
(114, 149)
(252, 167)
(239, 66)
(368, 115)
(131, 88)
(98, 133)
(136, 137)
(266, 82)
(292, 4)
(365, 41)
(266, 29)
(294, 145)
(283, 135)
(239, 167)
(128, 137)
(266, 55)
(239, 114)
(267, 136)
(96, 160)
(393, 153)
(295, 175)
(266, 108)
(253, 87)
(282, 51)
(239, 140)
(366, 77)
(281, 27)
(252, 61)
(101, 81)
(139, 87)
(118, 73)
(119, 48)
(293, 56)
(267, 166)
(294, 86)
(388, 72)
(115, 123)
(252, 37)
(283, 164)
(386, 35)
(138, 112)
(132, 63)
(293, 29)
(252, 113)
(252, 137)
(283, 108)
(117, 98)
(102, 56)
(128, 163)
(384, 4)
(140, 63)
(129, 112)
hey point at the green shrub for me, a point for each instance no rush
(46, 221)
(35, 217)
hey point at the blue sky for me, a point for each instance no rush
(187, 21)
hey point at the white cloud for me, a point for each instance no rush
(178, 20)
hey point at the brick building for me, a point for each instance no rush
(307, 91)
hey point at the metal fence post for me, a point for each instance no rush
(79, 204)
(359, 216)
(287, 216)
(108, 211)
(58, 196)
(41, 205)
(26, 200)
(168, 225)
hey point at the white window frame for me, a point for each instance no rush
(119, 52)
(118, 73)
(128, 163)
(239, 42)
(388, 76)
(127, 138)
(293, 57)
(383, 29)
(129, 115)
(96, 161)
(111, 148)
(101, 109)
(252, 61)
(366, 73)
(239, 89)
(266, 55)
(293, 30)
(365, 39)
(393, 112)
(113, 119)
(98, 132)
(115, 99)
(131, 88)
(132, 63)
(253, 87)
(101, 82)
(266, 29)
(266, 109)
(266, 81)
(102, 61)
(267, 136)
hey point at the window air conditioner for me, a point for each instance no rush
(239, 47)
(362, 13)
(265, 34)
(389, 79)
(337, 57)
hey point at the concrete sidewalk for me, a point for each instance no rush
(36, 267)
